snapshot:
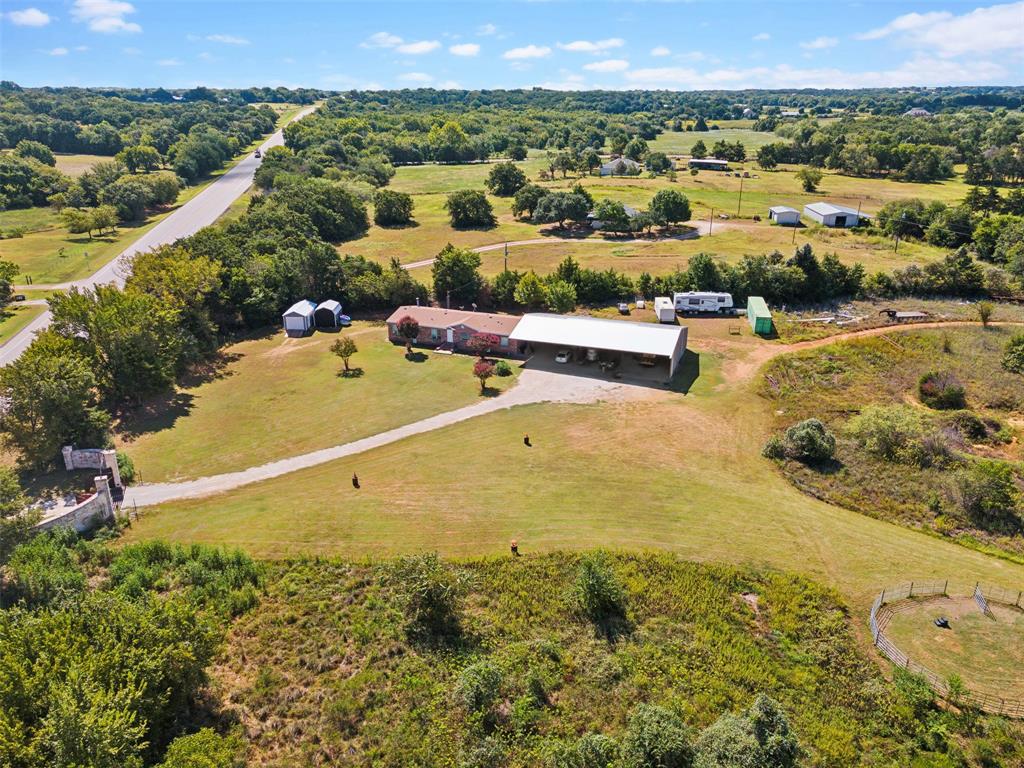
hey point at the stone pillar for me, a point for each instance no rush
(110, 461)
(66, 453)
(103, 497)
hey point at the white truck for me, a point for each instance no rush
(664, 309)
(702, 301)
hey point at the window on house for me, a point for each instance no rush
(504, 341)
(434, 334)
(465, 337)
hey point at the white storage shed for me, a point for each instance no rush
(784, 215)
(832, 215)
(299, 318)
(328, 314)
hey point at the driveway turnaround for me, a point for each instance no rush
(201, 211)
(534, 386)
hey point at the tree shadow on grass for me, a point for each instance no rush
(351, 373)
(613, 627)
(417, 357)
(490, 391)
(407, 225)
(209, 370)
(155, 415)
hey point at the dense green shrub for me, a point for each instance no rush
(656, 738)
(43, 571)
(592, 750)
(125, 468)
(809, 441)
(505, 179)
(205, 749)
(478, 687)
(986, 493)
(1013, 356)
(469, 208)
(596, 592)
(760, 736)
(502, 368)
(942, 390)
(430, 593)
(391, 208)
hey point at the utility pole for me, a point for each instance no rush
(711, 221)
(795, 228)
(899, 231)
(506, 255)
(740, 201)
(448, 300)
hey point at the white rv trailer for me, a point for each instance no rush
(664, 309)
(702, 301)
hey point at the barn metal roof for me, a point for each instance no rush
(827, 209)
(330, 304)
(783, 209)
(598, 333)
(304, 308)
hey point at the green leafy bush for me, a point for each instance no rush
(760, 736)
(986, 493)
(125, 468)
(502, 368)
(597, 593)
(656, 738)
(809, 441)
(1013, 356)
(478, 687)
(942, 391)
(205, 749)
(430, 593)
(592, 750)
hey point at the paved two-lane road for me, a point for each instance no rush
(201, 211)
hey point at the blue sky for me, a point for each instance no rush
(677, 45)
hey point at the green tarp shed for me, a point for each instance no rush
(758, 315)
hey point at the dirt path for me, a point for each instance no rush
(534, 386)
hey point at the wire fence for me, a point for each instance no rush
(893, 600)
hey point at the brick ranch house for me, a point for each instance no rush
(452, 329)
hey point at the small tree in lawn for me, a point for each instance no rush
(985, 310)
(409, 330)
(344, 348)
(809, 178)
(483, 343)
(483, 370)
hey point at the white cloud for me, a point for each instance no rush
(381, 40)
(486, 29)
(919, 71)
(761, 36)
(569, 82)
(983, 30)
(105, 16)
(608, 65)
(451, 85)
(227, 39)
(416, 77)
(660, 50)
(527, 52)
(57, 52)
(822, 43)
(206, 56)
(420, 46)
(169, 63)
(464, 49)
(592, 46)
(81, 48)
(131, 51)
(29, 17)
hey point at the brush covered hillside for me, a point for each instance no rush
(164, 656)
(926, 425)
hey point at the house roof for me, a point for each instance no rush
(598, 333)
(827, 209)
(304, 308)
(783, 209)
(626, 160)
(438, 317)
(709, 160)
(331, 304)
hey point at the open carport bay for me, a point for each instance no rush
(609, 364)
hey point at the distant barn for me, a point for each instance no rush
(831, 215)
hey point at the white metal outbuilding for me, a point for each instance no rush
(832, 215)
(784, 215)
(298, 318)
(662, 341)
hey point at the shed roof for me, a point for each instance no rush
(827, 209)
(757, 305)
(709, 160)
(598, 333)
(627, 161)
(304, 308)
(783, 209)
(330, 304)
(438, 317)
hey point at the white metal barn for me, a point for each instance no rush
(647, 343)
(620, 166)
(784, 215)
(328, 314)
(299, 318)
(832, 215)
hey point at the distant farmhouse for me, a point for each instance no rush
(620, 166)
(917, 112)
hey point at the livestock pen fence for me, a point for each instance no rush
(893, 600)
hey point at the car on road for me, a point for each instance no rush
(18, 297)
(258, 154)
(562, 356)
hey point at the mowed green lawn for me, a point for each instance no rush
(276, 397)
(987, 652)
(710, 193)
(677, 473)
(76, 165)
(14, 317)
